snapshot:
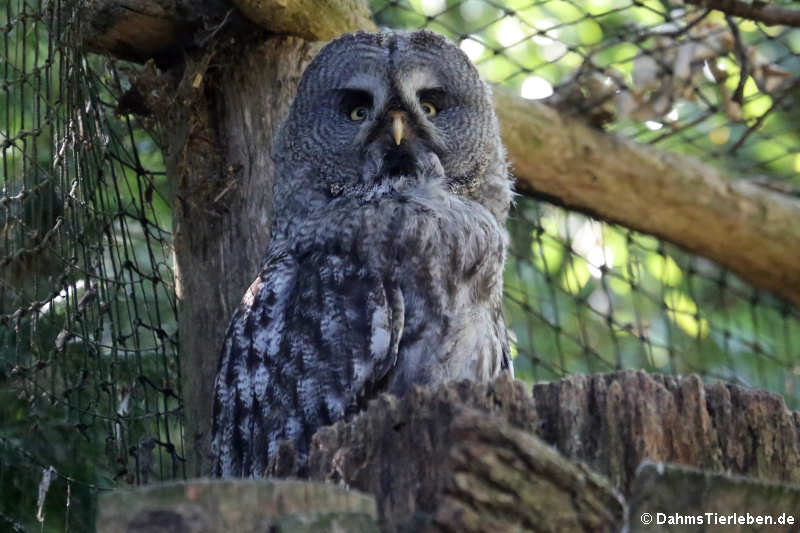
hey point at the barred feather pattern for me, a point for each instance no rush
(378, 276)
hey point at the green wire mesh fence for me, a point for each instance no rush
(89, 375)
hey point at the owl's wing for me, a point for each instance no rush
(313, 337)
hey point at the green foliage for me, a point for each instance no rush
(594, 297)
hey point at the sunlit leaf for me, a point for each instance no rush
(664, 269)
(575, 276)
(589, 32)
(755, 107)
(682, 310)
(547, 253)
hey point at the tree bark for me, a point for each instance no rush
(206, 506)
(726, 503)
(136, 30)
(316, 20)
(464, 457)
(219, 154)
(769, 14)
(614, 422)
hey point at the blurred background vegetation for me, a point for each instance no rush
(89, 376)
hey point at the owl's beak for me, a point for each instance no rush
(398, 125)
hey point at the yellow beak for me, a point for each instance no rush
(398, 123)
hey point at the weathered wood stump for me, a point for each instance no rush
(493, 457)
(678, 499)
(471, 448)
(241, 506)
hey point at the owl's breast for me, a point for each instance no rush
(421, 232)
(446, 254)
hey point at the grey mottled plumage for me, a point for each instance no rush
(386, 263)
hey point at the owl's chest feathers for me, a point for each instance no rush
(422, 235)
(444, 254)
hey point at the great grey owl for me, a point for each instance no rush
(385, 267)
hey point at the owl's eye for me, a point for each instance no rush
(359, 113)
(429, 109)
(354, 104)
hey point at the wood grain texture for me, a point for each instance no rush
(244, 506)
(706, 501)
(469, 454)
(505, 479)
(310, 19)
(613, 422)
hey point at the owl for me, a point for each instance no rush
(385, 267)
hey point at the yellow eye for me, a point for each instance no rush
(428, 109)
(359, 113)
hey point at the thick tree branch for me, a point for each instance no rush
(134, 30)
(769, 14)
(310, 19)
(742, 226)
(137, 30)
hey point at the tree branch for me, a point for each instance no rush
(133, 30)
(742, 226)
(137, 30)
(310, 19)
(769, 14)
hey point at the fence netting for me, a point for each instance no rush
(89, 376)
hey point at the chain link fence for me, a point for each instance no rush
(89, 374)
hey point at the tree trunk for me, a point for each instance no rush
(228, 106)
(222, 88)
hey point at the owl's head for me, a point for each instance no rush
(380, 111)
